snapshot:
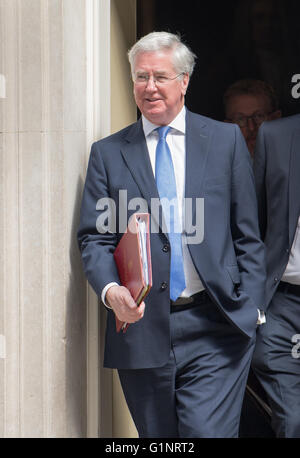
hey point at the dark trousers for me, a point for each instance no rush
(199, 392)
(276, 360)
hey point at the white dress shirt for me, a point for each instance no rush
(292, 271)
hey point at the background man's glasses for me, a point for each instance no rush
(256, 118)
(143, 78)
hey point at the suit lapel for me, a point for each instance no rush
(197, 145)
(294, 185)
(136, 156)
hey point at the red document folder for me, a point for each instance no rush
(133, 259)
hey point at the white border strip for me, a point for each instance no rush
(2, 87)
(98, 126)
(2, 346)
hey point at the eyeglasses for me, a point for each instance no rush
(256, 118)
(143, 78)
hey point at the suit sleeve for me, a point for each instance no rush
(260, 174)
(249, 248)
(95, 242)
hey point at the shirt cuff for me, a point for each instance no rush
(261, 317)
(104, 291)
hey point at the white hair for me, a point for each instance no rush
(183, 57)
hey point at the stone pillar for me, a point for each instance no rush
(43, 152)
(123, 113)
(55, 100)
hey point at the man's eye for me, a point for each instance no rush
(258, 117)
(161, 79)
(141, 78)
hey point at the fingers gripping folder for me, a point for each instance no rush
(133, 260)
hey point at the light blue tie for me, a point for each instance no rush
(166, 185)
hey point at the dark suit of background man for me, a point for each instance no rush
(276, 360)
(183, 362)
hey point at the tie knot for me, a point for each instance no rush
(163, 131)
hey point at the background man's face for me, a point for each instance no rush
(251, 111)
(159, 103)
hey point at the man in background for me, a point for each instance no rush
(276, 357)
(249, 103)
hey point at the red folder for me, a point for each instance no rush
(133, 259)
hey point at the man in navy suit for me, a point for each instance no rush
(276, 359)
(184, 360)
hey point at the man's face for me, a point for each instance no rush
(249, 112)
(159, 101)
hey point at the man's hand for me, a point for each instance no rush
(123, 305)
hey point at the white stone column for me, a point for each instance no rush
(43, 152)
(123, 112)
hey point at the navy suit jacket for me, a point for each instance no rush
(277, 176)
(230, 259)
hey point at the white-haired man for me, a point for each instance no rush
(184, 360)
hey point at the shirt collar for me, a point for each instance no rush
(178, 123)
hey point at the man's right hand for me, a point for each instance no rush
(123, 305)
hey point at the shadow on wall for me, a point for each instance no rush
(76, 331)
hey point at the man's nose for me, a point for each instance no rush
(251, 124)
(151, 86)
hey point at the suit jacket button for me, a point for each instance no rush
(166, 248)
(275, 280)
(164, 286)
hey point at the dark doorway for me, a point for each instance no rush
(233, 40)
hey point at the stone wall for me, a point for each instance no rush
(43, 144)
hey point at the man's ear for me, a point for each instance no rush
(185, 82)
(275, 115)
